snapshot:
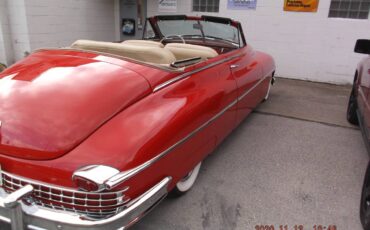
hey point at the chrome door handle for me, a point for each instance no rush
(234, 66)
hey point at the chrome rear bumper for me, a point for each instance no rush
(20, 216)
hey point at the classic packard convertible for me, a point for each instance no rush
(93, 136)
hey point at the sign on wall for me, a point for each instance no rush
(241, 4)
(167, 5)
(301, 5)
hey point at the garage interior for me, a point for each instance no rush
(294, 161)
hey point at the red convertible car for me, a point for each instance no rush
(93, 136)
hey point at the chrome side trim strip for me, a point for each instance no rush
(185, 75)
(125, 175)
(254, 86)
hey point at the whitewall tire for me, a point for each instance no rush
(186, 183)
(268, 91)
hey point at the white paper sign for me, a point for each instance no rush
(167, 5)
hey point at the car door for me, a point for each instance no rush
(202, 109)
(247, 72)
(221, 97)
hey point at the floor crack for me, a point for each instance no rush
(308, 120)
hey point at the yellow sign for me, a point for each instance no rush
(301, 5)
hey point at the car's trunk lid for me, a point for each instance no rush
(50, 103)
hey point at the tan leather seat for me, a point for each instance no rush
(144, 43)
(186, 51)
(154, 55)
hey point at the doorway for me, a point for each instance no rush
(132, 18)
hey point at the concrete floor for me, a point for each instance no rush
(295, 160)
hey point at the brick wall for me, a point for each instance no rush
(307, 46)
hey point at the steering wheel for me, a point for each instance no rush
(172, 35)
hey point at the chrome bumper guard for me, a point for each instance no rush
(21, 216)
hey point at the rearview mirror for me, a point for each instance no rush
(362, 46)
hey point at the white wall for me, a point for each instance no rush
(117, 21)
(19, 33)
(307, 46)
(54, 23)
(3, 17)
(13, 31)
(26, 25)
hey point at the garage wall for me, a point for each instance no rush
(26, 25)
(59, 23)
(2, 43)
(15, 40)
(308, 46)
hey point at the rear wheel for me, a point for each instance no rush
(185, 184)
(365, 201)
(352, 109)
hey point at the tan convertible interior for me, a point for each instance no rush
(148, 51)
(186, 51)
(144, 43)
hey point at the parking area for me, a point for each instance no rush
(294, 161)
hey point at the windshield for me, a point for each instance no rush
(192, 28)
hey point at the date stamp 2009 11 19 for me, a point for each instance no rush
(295, 227)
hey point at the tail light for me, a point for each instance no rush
(92, 178)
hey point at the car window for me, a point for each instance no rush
(224, 31)
(178, 27)
(211, 30)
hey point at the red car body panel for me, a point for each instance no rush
(49, 103)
